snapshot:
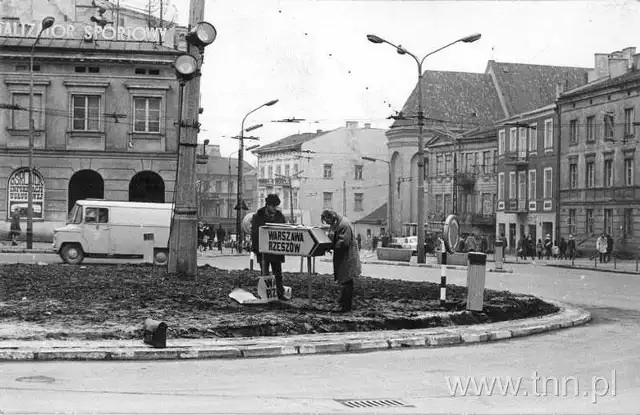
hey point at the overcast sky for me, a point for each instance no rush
(314, 56)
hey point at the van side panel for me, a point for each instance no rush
(129, 226)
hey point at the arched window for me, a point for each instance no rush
(18, 193)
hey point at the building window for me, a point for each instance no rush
(501, 142)
(590, 175)
(513, 139)
(86, 112)
(146, 115)
(548, 134)
(327, 173)
(468, 167)
(533, 137)
(608, 173)
(20, 118)
(627, 226)
(487, 203)
(512, 185)
(295, 168)
(588, 221)
(287, 170)
(262, 173)
(628, 123)
(608, 126)
(548, 183)
(573, 132)
(628, 172)
(608, 221)
(447, 204)
(327, 200)
(572, 221)
(486, 162)
(522, 143)
(494, 162)
(358, 198)
(270, 171)
(294, 195)
(278, 170)
(448, 164)
(218, 186)
(439, 207)
(573, 176)
(532, 185)
(285, 202)
(500, 186)
(358, 172)
(591, 130)
(439, 164)
(18, 193)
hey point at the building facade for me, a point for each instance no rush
(217, 187)
(325, 170)
(599, 191)
(104, 119)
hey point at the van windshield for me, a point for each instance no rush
(75, 216)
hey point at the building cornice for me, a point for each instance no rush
(25, 81)
(90, 59)
(55, 153)
(538, 112)
(131, 85)
(87, 84)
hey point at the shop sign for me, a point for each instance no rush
(18, 194)
(77, 31)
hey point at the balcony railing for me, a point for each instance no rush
(516, 206)
(467, 180)
(265, 182)
(602, 194)
(517, 159)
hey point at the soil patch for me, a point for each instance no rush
(111, 302)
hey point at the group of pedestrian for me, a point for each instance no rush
(604, 247)
(208, 236)
(547, 249)
(372, 242)
(344, 244)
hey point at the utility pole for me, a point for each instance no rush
(183, 240)
(289, 179)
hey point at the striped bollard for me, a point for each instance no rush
(443, 280)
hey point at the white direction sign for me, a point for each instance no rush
(292, 240)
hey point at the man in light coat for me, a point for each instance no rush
(346, 258)
(601, 247)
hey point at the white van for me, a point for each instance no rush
(100, 228)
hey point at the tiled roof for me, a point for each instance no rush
(603, 83)
(288, 143)
(81, 45)
(376, 217)
(526, 87)
(454, 97)
(219, 166)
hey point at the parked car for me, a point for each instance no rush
(405, 242)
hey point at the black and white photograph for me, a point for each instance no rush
(319, 206)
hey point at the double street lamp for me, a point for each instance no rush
(47, 22)
(389, 198)
(420, 118)
(240, 201)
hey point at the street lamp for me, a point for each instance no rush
(402, 51)
(47, 22)
(390, 198)
(240, 171)
(253, 147)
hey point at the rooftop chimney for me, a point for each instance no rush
(601, 65)
(352, 124)
(559, 89)
(367, 125)
(618, 67)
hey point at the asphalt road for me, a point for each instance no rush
(599, 359)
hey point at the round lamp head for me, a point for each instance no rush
(185, 65)
(204, 34)
(47, 22)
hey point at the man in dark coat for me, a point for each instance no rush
(571, 247)
(346, 258)
(14, 230)
(548, 245)
(268, 214)
(220, 234)
(385, 240)
(609, 247)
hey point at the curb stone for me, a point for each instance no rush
(568, 316)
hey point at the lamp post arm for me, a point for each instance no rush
(439, 49)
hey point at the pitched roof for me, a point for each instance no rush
(602, 84)
(454, 97)
(525, 87)
(376, 217)
(291, 142)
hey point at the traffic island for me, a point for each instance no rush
(112, 301)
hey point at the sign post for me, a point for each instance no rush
(294, 240)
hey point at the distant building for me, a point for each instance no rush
(599, 165)
(325, 170)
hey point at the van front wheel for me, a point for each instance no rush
(72, 254)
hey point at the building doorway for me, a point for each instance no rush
(85, 184)
(532, 232)
(547, 229)
(512, 236)
(146, 186)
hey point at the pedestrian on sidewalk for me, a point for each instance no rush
(555, 250)
(268, 214)
(346, 259)
(539, 248)
(520, 248)
(601, 247)
(375, 243)
(571, 247)
(359, 240)
(14, 229)
(609, 247)
(563, 248)
(548, 246)
(220, 234)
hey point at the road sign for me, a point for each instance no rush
(451, 233)
(293, 240)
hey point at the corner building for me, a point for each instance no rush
(105, 114)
